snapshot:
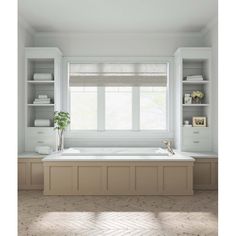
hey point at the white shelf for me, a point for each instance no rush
(41, 105)
(195, 105)
(40, 82)
(195, 82)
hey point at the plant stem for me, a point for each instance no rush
(60, 134)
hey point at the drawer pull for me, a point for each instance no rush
(40, 132)
(196, 132)
(196, 142)
(40, 142)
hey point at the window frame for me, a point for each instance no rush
(134, 132)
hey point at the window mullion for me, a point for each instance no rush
(101, 109)
(136, 108)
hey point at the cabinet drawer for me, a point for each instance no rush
(38, 131)
(196, 144)
(32, 142)
(196, 132)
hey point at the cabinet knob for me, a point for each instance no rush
(40, 132)
(196, 142)
(196, 132)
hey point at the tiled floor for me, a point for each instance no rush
(117, 215)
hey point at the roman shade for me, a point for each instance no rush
(118, 74)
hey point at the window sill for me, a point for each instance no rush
(115, 134)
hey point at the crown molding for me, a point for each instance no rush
(140, 34)
(25, 24)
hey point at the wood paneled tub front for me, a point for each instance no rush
(128, 173)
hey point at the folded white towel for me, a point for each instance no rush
(194, 78)
(190, 79)
(43, 150)
(42, 122)
(187, 125)
(42, 99)
(41, 102)
(41, 96)
(43, 76)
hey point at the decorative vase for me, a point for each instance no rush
(197, 100)
(60, 142)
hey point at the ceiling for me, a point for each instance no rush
(166, 16)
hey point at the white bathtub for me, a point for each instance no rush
(115, 151)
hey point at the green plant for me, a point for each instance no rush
(61, 120)
(197, 94)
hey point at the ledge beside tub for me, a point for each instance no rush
(118, 175)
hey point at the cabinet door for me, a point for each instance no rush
(205, 174)
(36, 175)
(22, 175)
(202, 173)
(30, 173)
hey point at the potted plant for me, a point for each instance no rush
(197, 96)
(61, 120)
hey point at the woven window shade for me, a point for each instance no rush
(108, 74)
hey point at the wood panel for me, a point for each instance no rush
(216, 173)
(146, 180)
(36, 173)
(118, 179)
(61, 179)
(205, 174)
(89, 179)
(22, 174)
(30, 173)
(175, 179)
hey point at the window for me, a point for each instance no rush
(119, 96)
(153, 108)
(118, 108)
(83, 108)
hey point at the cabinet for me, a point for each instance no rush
(30, 172)
(205, 174)
(189, 62)
(41, 60)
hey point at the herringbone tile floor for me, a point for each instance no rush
(117, 215)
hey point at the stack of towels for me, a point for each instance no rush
(45, 150)
(42, 99)
(194, 78)
(42, 122)
(43, 76)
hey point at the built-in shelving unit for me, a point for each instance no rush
(41, 60)
(188, 62)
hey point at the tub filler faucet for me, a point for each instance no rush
(168, 146)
